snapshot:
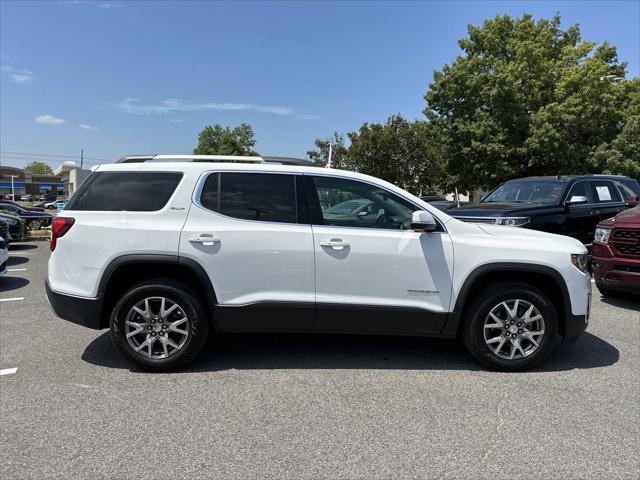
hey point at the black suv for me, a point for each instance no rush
(566, 205)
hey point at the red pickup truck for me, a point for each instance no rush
(616, 254)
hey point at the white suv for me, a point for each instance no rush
(166, 250)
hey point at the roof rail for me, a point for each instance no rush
(215, 158)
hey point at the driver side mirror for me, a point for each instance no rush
(631, 201)
(577, 200)
(423, 221)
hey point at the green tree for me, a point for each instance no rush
(39, 168)
(622, 154)
(218, 140)
(404, 153)
(527, 98)
(339, 153)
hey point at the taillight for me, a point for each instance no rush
(59, 227)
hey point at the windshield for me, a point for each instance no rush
(344, 208)
(530, 191)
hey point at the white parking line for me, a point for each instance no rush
(16, 269)
(8, 371)
(14, 299)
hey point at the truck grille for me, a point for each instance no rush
(626, 242)
(489, 220)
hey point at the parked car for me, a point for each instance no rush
(27, 197)
(187, 248)
(33, 209)
(55, 205)
(16, 228)
(441, 203)
(4, 230)
(34, 220)
(566, 205)
(616, 254)
(4, 256)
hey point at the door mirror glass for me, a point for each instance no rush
(422, 221)
(577, 199)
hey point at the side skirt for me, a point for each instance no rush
(328, 318)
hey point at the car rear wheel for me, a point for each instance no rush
(159, 325)
(511, 327)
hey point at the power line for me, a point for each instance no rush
(51, 155)
(39, 159)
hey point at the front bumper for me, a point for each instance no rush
(83, 311)
(615, 272)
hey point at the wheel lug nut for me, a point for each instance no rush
(165, 326)
(161, 333)
(149, 327)
(519, 324)
(153, 334)
(513, 336)
(520, 331)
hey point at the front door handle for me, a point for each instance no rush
(335, 243)
(205, 239)
(595, 212)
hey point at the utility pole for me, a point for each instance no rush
(81, 157)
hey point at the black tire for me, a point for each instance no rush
(187, 300)
(479, 309)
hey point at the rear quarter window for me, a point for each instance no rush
(125, 191)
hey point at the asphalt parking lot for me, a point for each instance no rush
(305, 406)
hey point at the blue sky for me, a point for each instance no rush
(121, 77)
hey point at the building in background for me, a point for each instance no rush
(31, 183)
(72, 176)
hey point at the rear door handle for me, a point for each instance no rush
(205, 239)
(335, 243)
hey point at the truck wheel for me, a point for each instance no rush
(511, 327)
(159, 325)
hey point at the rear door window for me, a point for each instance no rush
(125, 191)
(603, 191)
(263, 197)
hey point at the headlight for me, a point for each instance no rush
(602, 235)
(580, 261)
(512, 221)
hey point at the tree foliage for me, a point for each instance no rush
(39, 168)
(528, 98)
(405, 153)
(218, 140)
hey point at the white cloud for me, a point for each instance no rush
(18, 76)
(84, 126)
(131, 105)
(91, 3)
(49, 119)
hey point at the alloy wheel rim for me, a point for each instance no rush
(156, 327)
(514, 329)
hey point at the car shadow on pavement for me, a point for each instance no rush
(13, 261)
(8, 283)
(21, 247)
(317, 351)
(623, 302)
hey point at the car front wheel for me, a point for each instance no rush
(511, 327)
(159, 325)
